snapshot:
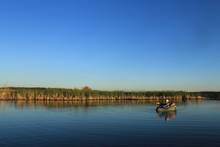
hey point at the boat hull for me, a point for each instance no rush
(161, 109)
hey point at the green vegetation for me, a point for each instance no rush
(14, 93)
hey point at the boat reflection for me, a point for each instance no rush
(170, 115)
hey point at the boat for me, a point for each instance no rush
(165, 107)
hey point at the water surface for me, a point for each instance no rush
(120, 124)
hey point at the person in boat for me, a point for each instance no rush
(166, 105)
(163, 103)
(167, 102)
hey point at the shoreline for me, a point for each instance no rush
(87, 94)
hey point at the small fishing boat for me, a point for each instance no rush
(165, 107)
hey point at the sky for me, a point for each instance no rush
(111, 44)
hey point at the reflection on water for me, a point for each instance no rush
(171, 115)
(88, 103)
(68, 104)
(108, 123)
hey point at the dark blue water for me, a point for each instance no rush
(194, 124)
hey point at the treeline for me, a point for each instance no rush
(211, 95)
(14, 93)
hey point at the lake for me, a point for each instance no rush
(195, 123)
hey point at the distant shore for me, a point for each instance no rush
(86, 93)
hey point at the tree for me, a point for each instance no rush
(87, 91)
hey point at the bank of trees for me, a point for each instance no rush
(87, 92)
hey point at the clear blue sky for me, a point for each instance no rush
(111, 44)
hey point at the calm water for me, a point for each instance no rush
(194, 124)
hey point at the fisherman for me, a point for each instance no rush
(167, 103)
